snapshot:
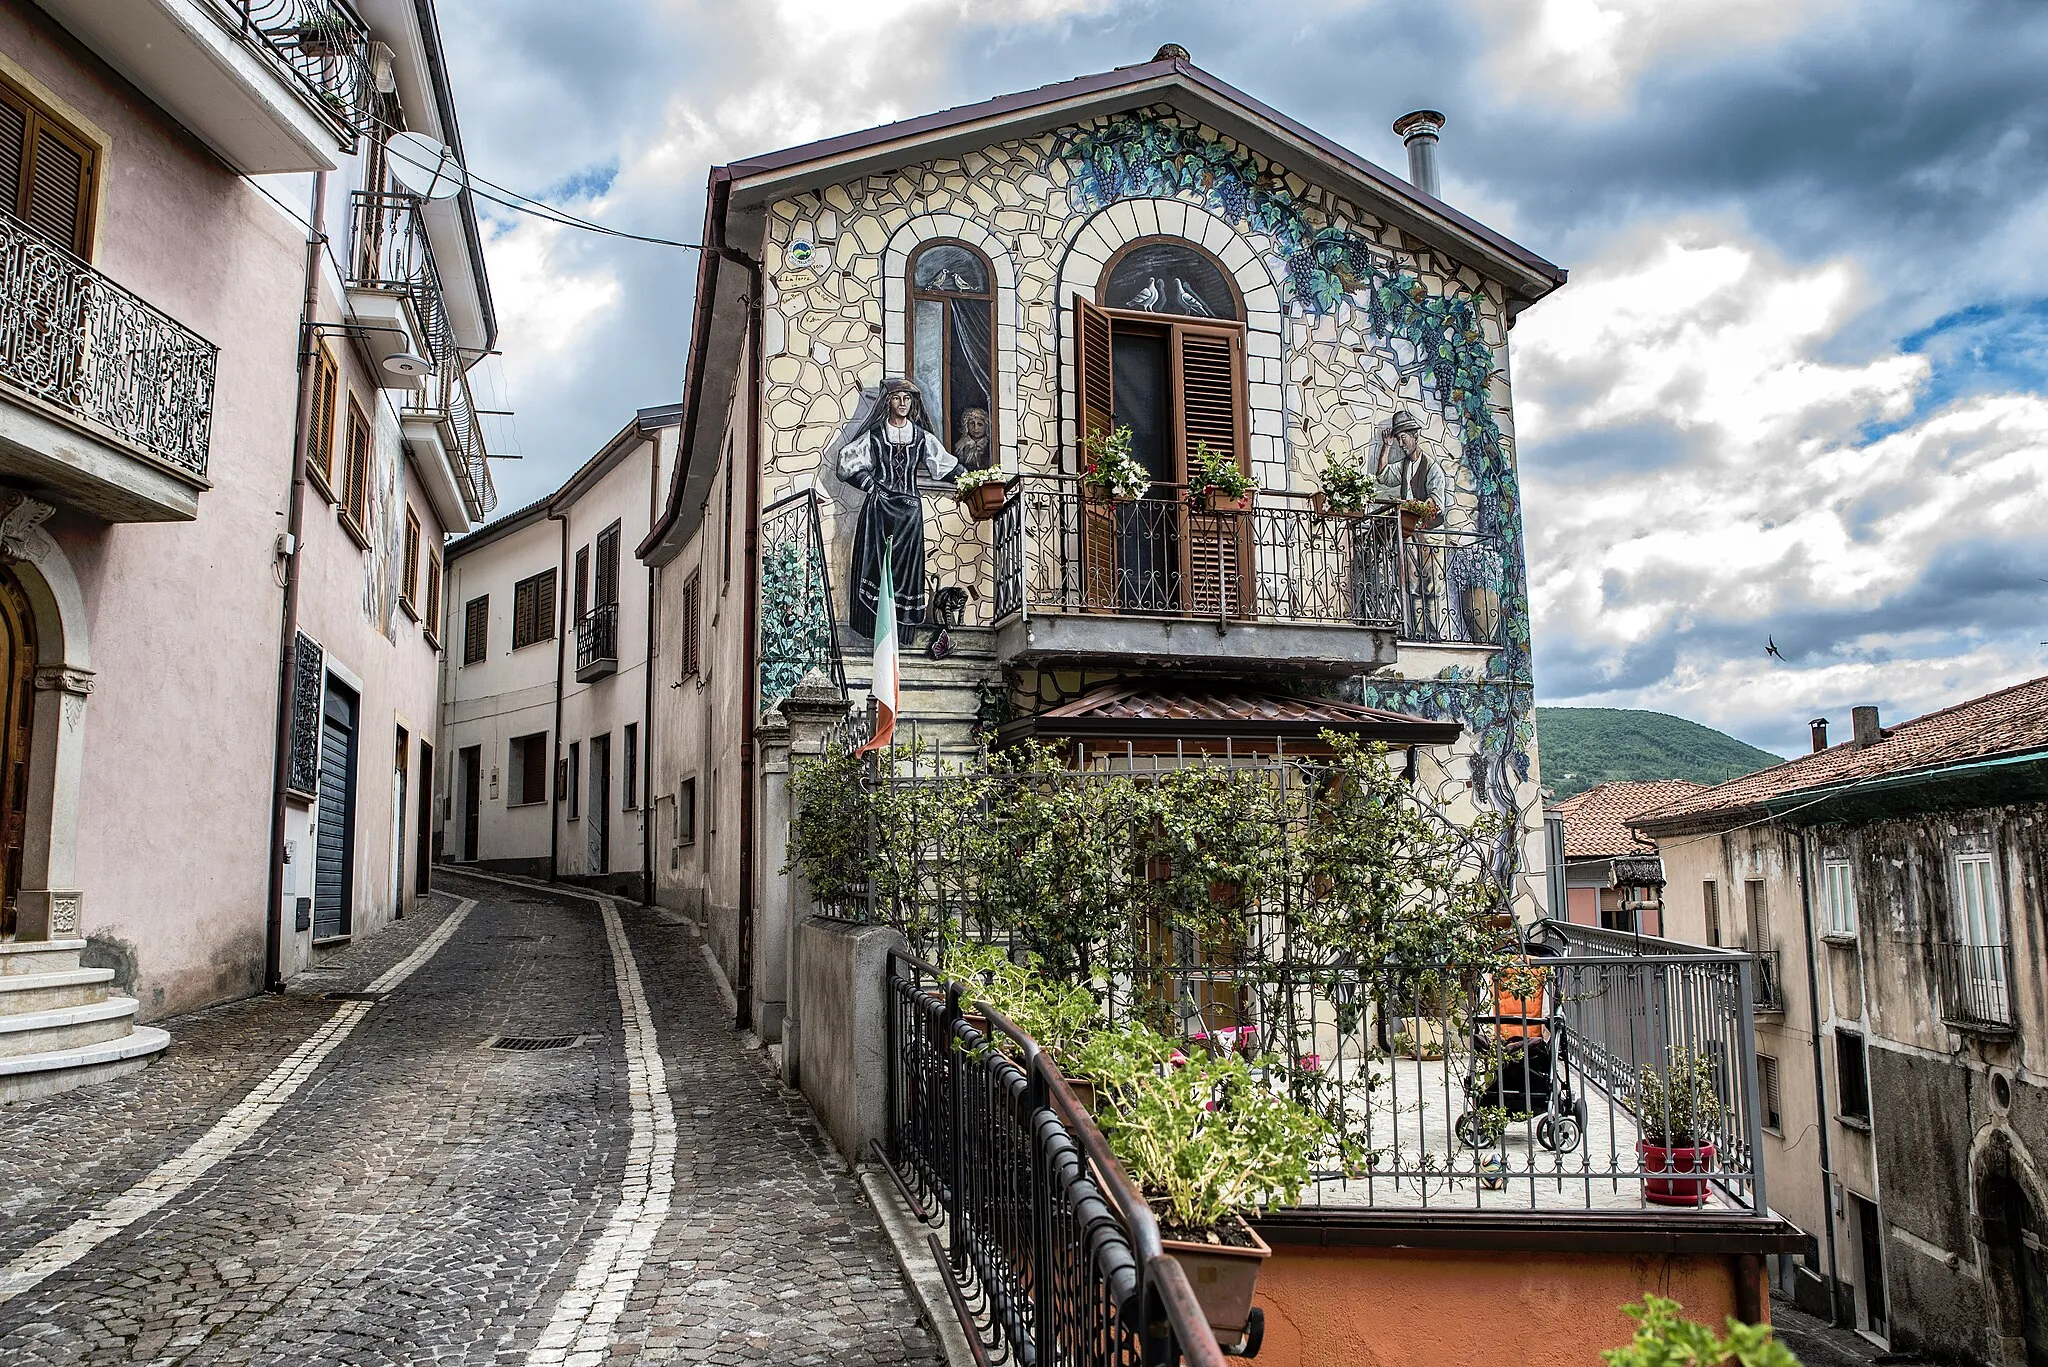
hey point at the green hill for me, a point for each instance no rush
(1582, 746)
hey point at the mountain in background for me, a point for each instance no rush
(1582, 746)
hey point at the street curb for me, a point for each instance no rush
(920, 1269)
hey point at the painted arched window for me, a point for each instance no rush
(952, 347)
(1170, 275)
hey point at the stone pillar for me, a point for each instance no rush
(808, 716)
(47, 906)
(772, 904)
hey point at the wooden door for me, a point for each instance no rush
(335, 845)
(1208, 372)
(17, 722)
(423, 849)
(472, 776)
(598, 830)
(1096, 387)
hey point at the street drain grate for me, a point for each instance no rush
(354, 997)
(531, 1044)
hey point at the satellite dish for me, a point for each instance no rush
(407, 365)
(424, 166)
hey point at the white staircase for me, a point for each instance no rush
(59, 1025)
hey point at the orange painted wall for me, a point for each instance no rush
(1405, 1307)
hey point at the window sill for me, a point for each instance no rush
(319, 482)
(516, 806)
(537, 641)
(340, 939)
(1854, 1122)
(352, 527)
(1843, 939)
(405, 606)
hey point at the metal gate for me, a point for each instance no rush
(334, 870)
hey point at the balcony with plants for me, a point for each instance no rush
(109, 400)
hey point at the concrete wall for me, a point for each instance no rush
(838, 1027)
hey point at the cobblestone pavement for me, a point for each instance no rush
(421, 1197)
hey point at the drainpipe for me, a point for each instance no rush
(647, 700)
(1820, 1083)
(743, 990)
(561, 653)
(288, 627)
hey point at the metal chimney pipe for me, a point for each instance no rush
(1418, 132)
(1868, 732)
(1820, 734)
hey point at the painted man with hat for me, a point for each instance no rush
(1408, 477)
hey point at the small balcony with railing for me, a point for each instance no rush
(1976, 991)
(398, 311)
(597, 643)
(108, 399)
(1768, 980)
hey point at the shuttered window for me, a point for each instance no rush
(433, 618)
(608, 565)
(356, 477)
(533, 610)
(320, 440)
(48, 170)
(693, 604)
(529, 765)
(1767, 1084)
(476, 626)
(409, 575)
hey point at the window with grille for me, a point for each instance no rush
(356, 476)
(692, 618)
(533, 610)
(1710, 903)
(476, 627)
(48, 171)
(1838, 896)
(433, 617)
(409, 576)
(529, 770)
(1767, 1088)
(1852, 1077)
(320, 439)
(629, 778)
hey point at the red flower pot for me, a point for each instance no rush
(984, 501)
(1676, 1191)
(1219, 502)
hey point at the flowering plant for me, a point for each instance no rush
(974, 479)
(1216, 471)
(1110, 467)
(1347, 488)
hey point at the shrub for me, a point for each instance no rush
(1664, 1340)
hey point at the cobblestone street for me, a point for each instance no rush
(311, 1180)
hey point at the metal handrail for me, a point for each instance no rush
(74, 339)
(597, 635)
(317, 45)
(1976, 986)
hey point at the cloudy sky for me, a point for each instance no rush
(1797, 388)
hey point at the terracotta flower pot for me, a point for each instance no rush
(1219, 502)
(1084, 1092)
(1676, 1191)
(1223, 1278)
(984, 501)
(1411, 521)
(1321, 503)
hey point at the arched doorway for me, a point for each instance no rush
(2027, 1263)
(17, 729)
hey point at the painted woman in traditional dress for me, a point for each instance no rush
(884, 459)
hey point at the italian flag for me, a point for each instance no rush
(888, 674)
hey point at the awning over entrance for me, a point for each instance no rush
(1151, 717)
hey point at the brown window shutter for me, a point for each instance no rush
(358, 468)
(1209, 362)
(1097, 381)
(320, 442)
(411, 576)
(14, 125)
(476, 623)
(434, 594)
(59, 187)
(692, 606)
(525, 614)
(544, 607)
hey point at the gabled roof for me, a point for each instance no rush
(640, 427)
(1154, 711)
(1596, 821)
(2010, 723)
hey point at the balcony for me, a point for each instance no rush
(597, 643)
(1974, 991)
(1158, 578)
(1768, 982)
(395, 305)
(270, 85)
(109, 399)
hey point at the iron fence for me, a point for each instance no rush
(1060, 549)
(319, 46)
(81, 343)
(1770, 984)
(798, 633)
(1974, 985)
(1451, 587)
(1050, 1254)
(597, 636)
(1447, 1080)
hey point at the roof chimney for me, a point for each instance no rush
(1418, 132)
(1820, 734)
(1868, 732)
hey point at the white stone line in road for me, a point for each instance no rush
(579, 1332)
(169, 1179)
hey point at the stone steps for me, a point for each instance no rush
(25, 1077)
(38, 956)
(24, 992)
(59, 1025)
(66, 1027)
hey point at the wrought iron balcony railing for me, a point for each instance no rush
(74, 339)
(389, 250)
(597, 642)
(1974, 987)
(1451, 587)
(1770, 984)
(1060, 549)
(317, 45)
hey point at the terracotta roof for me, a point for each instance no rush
(1596, 821)
(2012, 721)
(1147, 710)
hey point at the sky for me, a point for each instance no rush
(1796, 391)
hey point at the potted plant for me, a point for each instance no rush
(1677, 1107)
(1108, 1058)
(1417, 513)
(1347, 489)
(1662, 1339)
(1210, 1142)
(1217, 483)
(982, 493)
(1109, 472)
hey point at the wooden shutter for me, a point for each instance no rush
(692, 610)
(1208, 365)
(15, 120)
(525, 613)
(544, 611)
(476, 624)
(1095, 388)
(608, 566)
(434, 594)
(358, 473)
(48, 172)
(411, 576)
(320, 441)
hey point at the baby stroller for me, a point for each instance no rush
(1521, 1064)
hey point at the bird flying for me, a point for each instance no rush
(1771, 647)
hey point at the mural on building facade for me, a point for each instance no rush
(891, 450)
